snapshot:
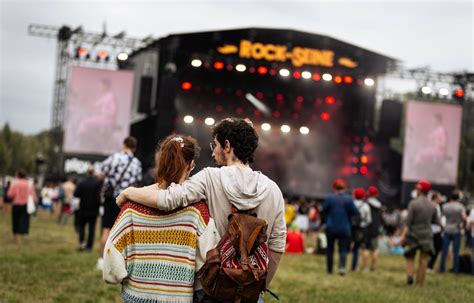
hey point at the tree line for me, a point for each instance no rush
(18, 150)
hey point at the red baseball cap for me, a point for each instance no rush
(424, 186)
(372, 191)
(359, 193)
(339, 184)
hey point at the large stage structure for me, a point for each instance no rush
(311, 97)
(315, 93)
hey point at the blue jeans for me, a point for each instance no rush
(447, 239)
(343, 242)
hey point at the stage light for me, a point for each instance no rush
(330, 100)
(188, 119)
(363, 170)
(337, 79)
(325, 116)
(266, 126)
(355, 170)
(229, 67)
(251, 69)
(299, 99)
(285, 128)
(262, 70)
(327, 77)
(459, 94)
(297, 75)
(364, 159)
(196, 63)
(81, 52)
(240, 68)
(304, 130)
(186, 85)
(122, 56)
(306, 75)
(443, 91)
(426, 90)
(209, 121)
(218, 65)
(284, 72)
(102, 54)
(369, 82)
(276, 114)
(316, 77)
(348, 79)
(259, 95)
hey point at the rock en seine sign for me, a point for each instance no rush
(298, 56)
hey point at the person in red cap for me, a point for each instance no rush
(338, 209)
(373, 230)
(359, 224)
(417, 234)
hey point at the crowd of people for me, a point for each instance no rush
(163, 240)
(360, 221)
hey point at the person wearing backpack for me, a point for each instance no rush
(359, 225)
(248, 209)
(338, 209)
(370, 247)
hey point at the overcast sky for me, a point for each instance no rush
(426, 33)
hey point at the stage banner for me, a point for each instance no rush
(432, 139)
(98, 110)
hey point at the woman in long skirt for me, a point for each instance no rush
(19, 192)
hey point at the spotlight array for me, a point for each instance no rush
(283, 72)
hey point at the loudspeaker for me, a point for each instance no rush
(144, 99)
(390, 119)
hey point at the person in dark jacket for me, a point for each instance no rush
(88, 191)
(338, 209)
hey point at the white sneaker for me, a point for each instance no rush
(100, 264)
(430, 271)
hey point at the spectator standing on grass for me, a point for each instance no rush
(455, 215)
(338, 209)
(156, 254)
(47, 194)
(68, 188)
(19, 192)
(436, 229)
(359, 227)
(417, 235)
(471, 229)
(88, 192)
(119, 171)
(370, 247)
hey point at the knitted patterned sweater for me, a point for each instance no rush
(155, 254)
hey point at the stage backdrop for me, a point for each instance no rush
(432, 137)
(98, 110)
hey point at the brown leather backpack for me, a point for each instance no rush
(235, 271)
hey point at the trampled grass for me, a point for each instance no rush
(47, 268)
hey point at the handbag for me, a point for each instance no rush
(109, 191)
(30, 205)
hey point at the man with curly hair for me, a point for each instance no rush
(232, 183)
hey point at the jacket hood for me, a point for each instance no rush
(244, 187)
(374, 202)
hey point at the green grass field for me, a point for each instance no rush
(47, 268)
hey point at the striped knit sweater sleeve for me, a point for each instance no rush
(115, 269)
